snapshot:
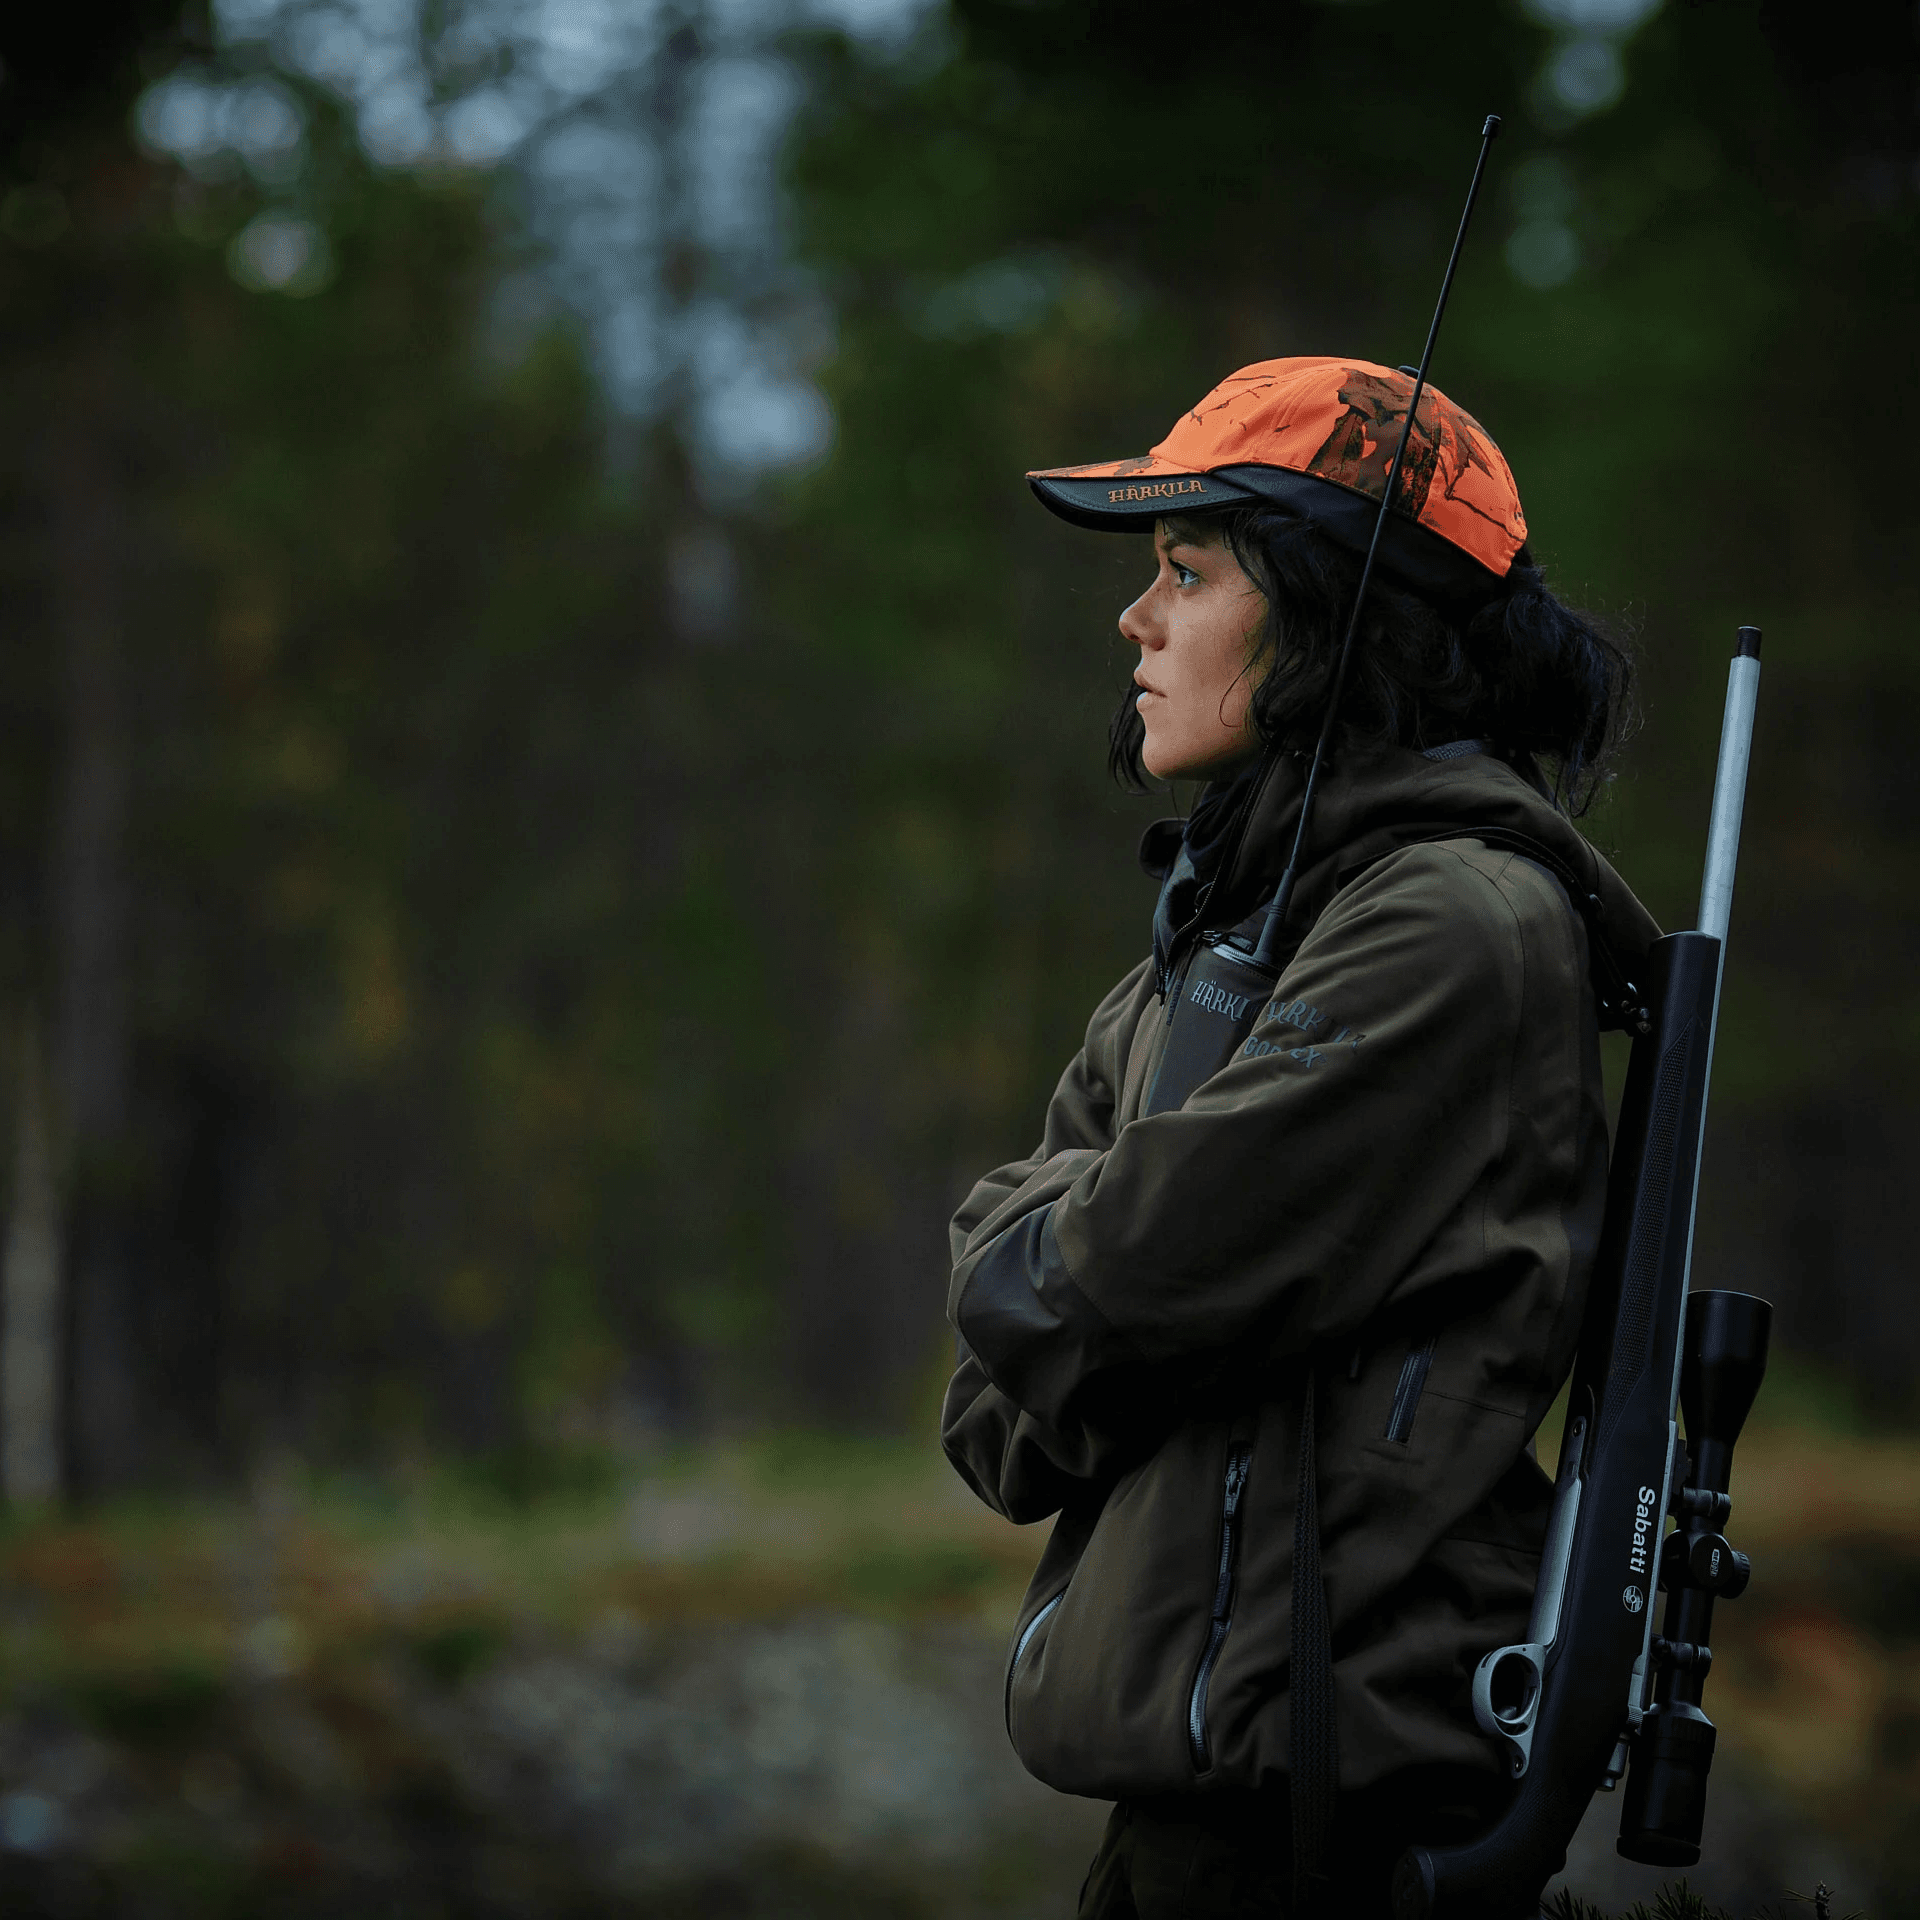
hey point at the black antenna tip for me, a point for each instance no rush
(1491, 131)
(1746, 645)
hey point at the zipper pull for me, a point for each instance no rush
(1237, 1478)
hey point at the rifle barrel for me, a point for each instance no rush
(1730, 786)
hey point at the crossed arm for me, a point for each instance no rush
(1102, 1283)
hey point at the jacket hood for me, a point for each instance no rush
(1372, 803)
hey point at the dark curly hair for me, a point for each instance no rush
(1543, 686)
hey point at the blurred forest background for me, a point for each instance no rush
(552, 806)
(554, 812)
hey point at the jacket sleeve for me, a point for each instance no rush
(1276, 1209)
(1016, 1464)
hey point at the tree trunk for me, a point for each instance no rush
(30, 1473)
(89, 898)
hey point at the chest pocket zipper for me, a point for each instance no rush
(1406, 1396)
(1222, 1621)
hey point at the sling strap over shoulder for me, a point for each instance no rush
(1622, 1003)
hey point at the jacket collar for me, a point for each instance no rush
(1372, 803)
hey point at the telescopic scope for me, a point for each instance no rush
(1722, 1362)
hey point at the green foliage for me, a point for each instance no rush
(171, 1871)
(1812, 1396)
(529, 1472)
(1677, 1902)
(1566, 1905)
(835, 1463)
(893, 1578)
(157, 1704)
(454, 1650)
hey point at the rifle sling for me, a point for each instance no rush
(1313, 1758)
(1622, 1004)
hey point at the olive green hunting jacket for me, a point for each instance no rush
(1396, 1184)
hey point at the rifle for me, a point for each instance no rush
(1593, 1694)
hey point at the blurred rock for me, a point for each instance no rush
(819, 1763)
(675, 1756)
(823, 1765)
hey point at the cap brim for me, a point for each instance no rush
(1122, 495)
(1118, 496)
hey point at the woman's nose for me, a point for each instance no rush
(1137, 625)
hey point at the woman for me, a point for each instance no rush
(1379, 1213)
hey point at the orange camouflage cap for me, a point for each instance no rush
(1315, 434)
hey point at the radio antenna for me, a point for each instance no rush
(1266, 953)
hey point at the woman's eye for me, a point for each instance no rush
(1182, 576)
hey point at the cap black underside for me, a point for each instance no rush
(1414, 555)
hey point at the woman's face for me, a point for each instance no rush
(1195, 627)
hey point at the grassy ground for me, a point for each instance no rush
(306, 1567)
(506, 1691)
(158, 1636)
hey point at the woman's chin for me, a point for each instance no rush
(1167, 759)
(1169, 763)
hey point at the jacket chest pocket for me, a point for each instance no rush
(1406, 1394)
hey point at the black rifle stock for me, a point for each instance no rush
(1591, 1684)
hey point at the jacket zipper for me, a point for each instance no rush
(1032, 1627)
(1229, 861)
(1406, 1396)
(1172, 986)
(1236, 1482)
